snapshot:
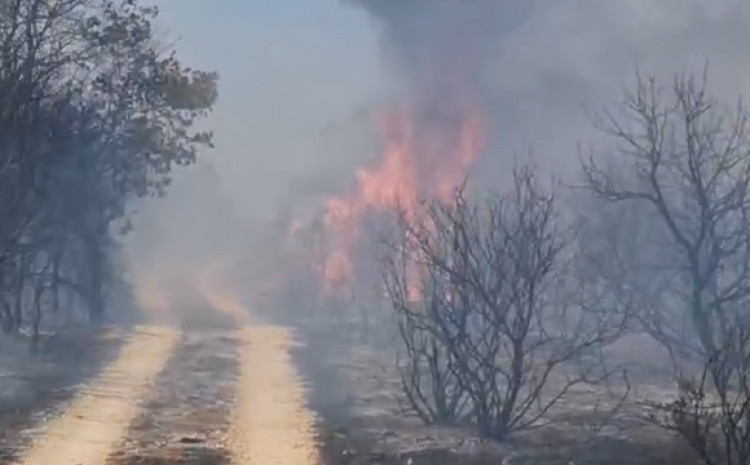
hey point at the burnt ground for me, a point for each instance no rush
(361, 423)
(352, 447)
(34, 386)
(187, 418)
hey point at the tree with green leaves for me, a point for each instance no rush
(95, 112)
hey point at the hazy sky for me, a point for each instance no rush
(289, 69)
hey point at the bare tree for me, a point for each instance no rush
(487, 309)
(684, 161)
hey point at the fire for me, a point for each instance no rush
(394, 181)
(424, 156)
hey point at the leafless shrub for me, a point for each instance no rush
(487, 310)
(428, 377)
(712, 411)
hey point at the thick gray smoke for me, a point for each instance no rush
(182, 241)
(538, 66)
(432, 41)
(437, 54)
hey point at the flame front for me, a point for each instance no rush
(423, 157)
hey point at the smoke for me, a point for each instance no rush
(537, 67)
(528, 70)
(186, 241)
(439, 56)
(430, 42)
(435, 53)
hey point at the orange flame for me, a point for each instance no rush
(420, 159)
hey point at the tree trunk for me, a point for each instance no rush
(96, 288)
(18, 303)
(6, 317)
(56, 283)
(36, 317)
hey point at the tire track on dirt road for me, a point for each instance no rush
(220, 390)
(272, 424)
(99, 415)
(186, 418)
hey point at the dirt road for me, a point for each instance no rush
(101, 413)
(271, 422)
(188, 394)
(271, 425)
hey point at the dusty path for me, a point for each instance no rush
(186, 418)
(222, 389)
(98, 416)
(272, 424)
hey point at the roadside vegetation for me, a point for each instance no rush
(95, 112)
